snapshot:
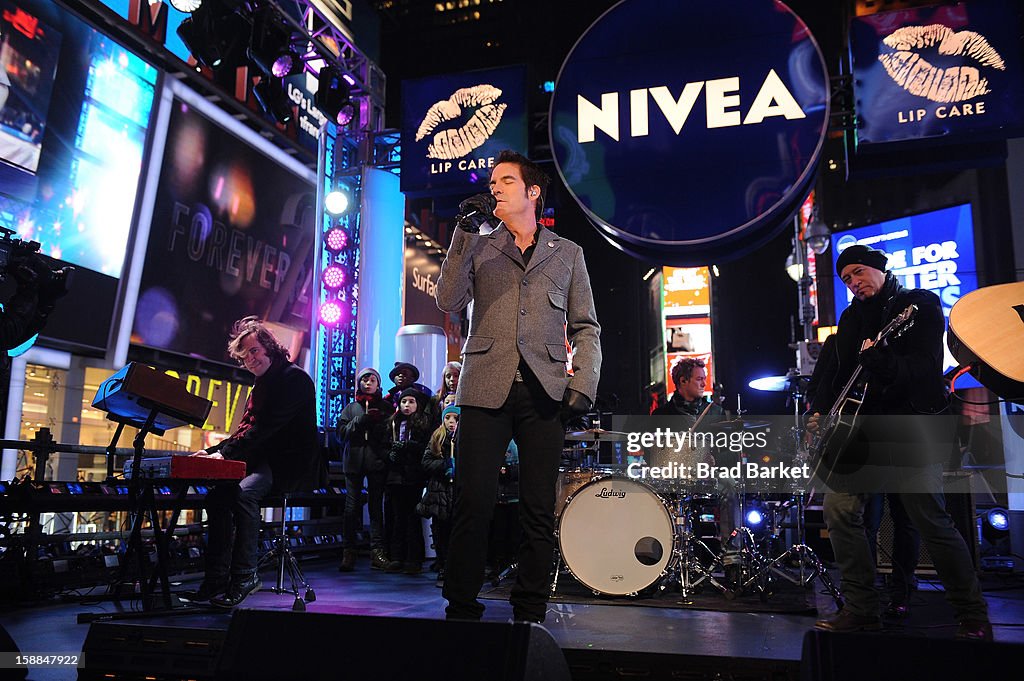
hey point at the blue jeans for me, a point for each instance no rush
(844, 515)
(233, 513)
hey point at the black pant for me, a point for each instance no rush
(406, 524)
(531, 418)
(353, 520)
(441, 531)
(234, 509)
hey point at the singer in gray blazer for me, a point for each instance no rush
(528, 292)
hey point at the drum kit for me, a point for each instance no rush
(621, 536)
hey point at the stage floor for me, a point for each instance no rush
(617, 627)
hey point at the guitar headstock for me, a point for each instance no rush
(899, 325)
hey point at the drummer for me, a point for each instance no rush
(690, 377)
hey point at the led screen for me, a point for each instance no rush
(933, 251)
(29, 49)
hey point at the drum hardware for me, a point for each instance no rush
(687, 561)
(761, 568)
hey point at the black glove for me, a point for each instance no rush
(474, 212)
(574, 403)
(395, 452)
(879, 361)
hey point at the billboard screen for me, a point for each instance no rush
(232, 235)
(932, 251)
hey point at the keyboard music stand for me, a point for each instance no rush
(153, 402)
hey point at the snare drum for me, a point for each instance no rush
(616, 536)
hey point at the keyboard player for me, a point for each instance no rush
(276, 438)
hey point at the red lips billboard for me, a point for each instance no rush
(938, 73)
(453, 127)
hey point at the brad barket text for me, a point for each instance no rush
(707, 471)
(666, 438)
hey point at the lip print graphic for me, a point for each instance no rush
(917, 76)
(452, 143)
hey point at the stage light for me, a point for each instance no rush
(330, 314)
(336, 202)
(334, 277)
(336, 239)
(270, 49)
(215, 36)
(334, 96)
(754, 518)
(270, 95)
(999, 519)
(186, 6)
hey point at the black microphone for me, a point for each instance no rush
(479, 203)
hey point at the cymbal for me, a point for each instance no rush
(595, 435)
(779, 384)
(735, 424)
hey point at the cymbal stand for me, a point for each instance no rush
(809, 565)
(687, 546)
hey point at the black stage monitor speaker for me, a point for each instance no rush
(126, 650)
(828, 656)
(283, 645)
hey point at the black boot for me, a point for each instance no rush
(241, 586)
(210, 587)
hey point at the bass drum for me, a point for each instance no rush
(616, 536)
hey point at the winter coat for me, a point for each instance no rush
(363, 435)
(439, 500)
(405, 451)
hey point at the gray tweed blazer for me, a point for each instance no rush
(518, 310)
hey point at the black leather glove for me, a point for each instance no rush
(879, 361)
(574, 403)
(395, 452)
(474, 212)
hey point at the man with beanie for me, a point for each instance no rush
(362, 431)
(528, 292)
(896, 455)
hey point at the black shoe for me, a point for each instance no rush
(897, 611)
(975, 630)
(207, 590)
(393, 566)
(378, 559)
(348, 561)
(238, 591)
(846, 621)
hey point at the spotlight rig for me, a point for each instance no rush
(231, 33)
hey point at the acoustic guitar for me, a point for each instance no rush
(986, 331)
(837, 427)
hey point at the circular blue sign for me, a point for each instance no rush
(690, 132)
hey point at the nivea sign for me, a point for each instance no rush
(690, 132)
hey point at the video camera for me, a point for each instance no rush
(23, 260)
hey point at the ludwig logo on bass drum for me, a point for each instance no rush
(606, 493)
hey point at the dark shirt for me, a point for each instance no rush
(278, 427)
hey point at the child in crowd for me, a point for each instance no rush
(438, 503)
(449, 385)
(362, 430)
(409, 430)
